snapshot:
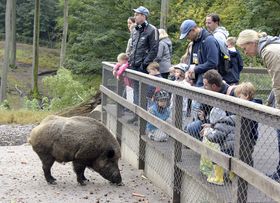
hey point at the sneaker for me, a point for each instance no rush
(275, 176)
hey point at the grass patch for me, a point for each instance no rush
(22, 116)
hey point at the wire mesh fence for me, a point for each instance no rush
(238, 129)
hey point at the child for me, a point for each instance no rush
(223, 133)
(122, 64)
(179, 73)
(236, 63)
(160, 108)
(118, 70)
(171, 75)
(153, 69)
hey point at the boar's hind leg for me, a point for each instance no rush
(79, 169)
(47, 161)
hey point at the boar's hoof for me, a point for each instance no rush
(52, 181)
(82, 183)
(120, 184)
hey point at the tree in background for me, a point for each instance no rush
(49, 10)
(64, 35)
(98, 31)
(12, 54)
(35, 61)
(8, 33)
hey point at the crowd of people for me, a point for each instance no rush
(212, 62)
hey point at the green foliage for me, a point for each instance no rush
(64, 90)
(49, 11)
(96, 35)
(5, 105)
(32, 105)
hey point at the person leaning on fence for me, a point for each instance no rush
(221, 131)
(236, 63)
(160, 109)
(145, 41)
(205, 50)
(179, 74)
(164, 53)
(153, 69)
(268, 48)
(247, 91)
(212, 81)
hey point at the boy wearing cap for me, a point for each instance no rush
(145, 42)
(205, 50)
(179, 74)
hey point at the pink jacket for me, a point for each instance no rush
(119, 71)
(120, 68)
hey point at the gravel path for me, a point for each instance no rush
(22, 180)
(12, 135)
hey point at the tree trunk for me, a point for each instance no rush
(64, 35)
(6, 51)
(35, 62)
(13, 36)
(164, 14)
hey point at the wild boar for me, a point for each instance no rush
(83, 140)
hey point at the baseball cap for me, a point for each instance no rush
(181, 66)
(186, 27)
(142, 10)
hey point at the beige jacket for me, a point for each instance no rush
(271, 58)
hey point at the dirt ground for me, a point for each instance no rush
(22, 181)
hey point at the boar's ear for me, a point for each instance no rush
(110, 153)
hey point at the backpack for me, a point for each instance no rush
(224, 57)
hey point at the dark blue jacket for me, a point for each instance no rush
(236, 66)
(207, 49)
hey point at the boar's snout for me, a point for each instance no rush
(116, 178)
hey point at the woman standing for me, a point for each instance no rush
(164, 53)
(268, 48)
(130, 25)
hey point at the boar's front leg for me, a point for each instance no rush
(47, 161)
(79, 169)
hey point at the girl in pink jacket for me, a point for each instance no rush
(120, 67)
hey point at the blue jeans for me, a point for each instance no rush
(194, 128)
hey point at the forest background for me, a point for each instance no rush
(97, 32)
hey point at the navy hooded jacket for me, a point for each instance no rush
(236, 66)
(207, 49)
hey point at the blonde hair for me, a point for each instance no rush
(153, 66)
(122, 56)
(162, 33)
(247, 89)
(248, 35)
(231, 41)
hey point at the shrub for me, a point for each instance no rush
(64, 90)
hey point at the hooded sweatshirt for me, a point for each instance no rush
(164, 55)
(220, 33)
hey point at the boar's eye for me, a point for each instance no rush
(110, 153)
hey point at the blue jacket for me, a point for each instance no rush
(236, 66)
(207, 49)
(163, 114)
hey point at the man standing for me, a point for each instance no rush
(205, 50)
(145, 42)
(212, 23)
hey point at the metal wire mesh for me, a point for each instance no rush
(213, 123)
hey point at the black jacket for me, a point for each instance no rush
(145, 41)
